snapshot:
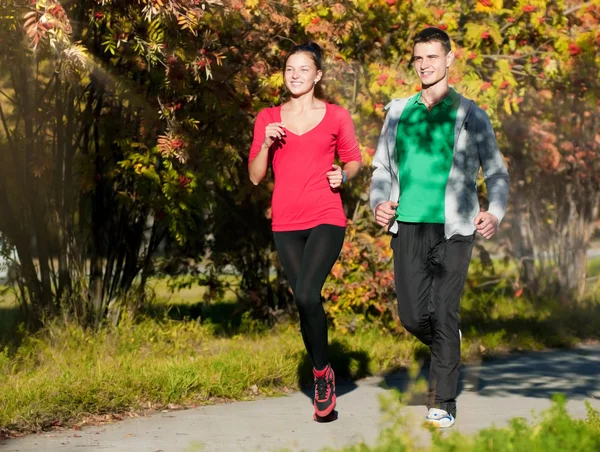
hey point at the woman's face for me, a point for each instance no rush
(301, 74)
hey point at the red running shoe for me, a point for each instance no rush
(324, 391)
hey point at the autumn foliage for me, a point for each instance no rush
(142, 114)
(360, 289)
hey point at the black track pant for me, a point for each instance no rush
(307, 258)
(430, 274)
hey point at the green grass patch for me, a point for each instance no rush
(593, 267)
(553, 430)
(10, 317)
(494, 323)
(186, 352)
(63, 374)
(183, 291)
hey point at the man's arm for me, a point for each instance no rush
(381, 181)
(495, 175)
(494, 169)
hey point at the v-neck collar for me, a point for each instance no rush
(310, 130)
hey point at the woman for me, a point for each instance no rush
(301, 138)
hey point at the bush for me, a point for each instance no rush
(360, 289)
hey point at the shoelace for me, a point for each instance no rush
(323, 387)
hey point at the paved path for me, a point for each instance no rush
(490, 393)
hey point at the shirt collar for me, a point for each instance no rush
(449, 100)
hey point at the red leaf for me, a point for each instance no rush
(29, 22)
(382, 79)
(574, 49)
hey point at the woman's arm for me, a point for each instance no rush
(347, 150)
(336, 175)
(258, 166)
(351, 169)
(265, 135)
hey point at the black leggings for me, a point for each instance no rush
(307, 257)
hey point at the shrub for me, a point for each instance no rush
(555, 430)
(360, 289)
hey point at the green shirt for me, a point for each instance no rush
(425, 144)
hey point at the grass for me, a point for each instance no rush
(553, 430)
(65, 374)
(10, 317)
(593, 267)
(184, 353)
(497, 323)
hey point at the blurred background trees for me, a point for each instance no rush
(125, 128)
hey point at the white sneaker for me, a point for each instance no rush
(439, 418)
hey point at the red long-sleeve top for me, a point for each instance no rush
(302, 197)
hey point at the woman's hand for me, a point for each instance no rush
(335, 176)
(273, 131)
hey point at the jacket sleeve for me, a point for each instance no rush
(381, 181)
(494, 169)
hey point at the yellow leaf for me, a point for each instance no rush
(494, 7)
(507, 108)
(276, 80)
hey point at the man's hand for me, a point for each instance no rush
(486, 224)
(384, 212)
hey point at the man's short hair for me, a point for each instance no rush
(432, 34)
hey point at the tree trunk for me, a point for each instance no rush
(97, 225)
(36, 205)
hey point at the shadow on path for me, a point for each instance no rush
(573, 372)
(401, 380)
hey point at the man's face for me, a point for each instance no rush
(431, 62)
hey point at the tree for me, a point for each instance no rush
(90, 186)
(124, 123)
(554, 146)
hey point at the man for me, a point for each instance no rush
(424, 190)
